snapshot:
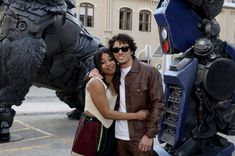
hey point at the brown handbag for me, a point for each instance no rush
(86, 137)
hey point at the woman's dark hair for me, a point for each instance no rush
(126, 39)
(97, 61)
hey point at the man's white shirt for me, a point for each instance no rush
(121, 126)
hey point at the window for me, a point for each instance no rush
(145, 21)
(125, 19)
(87, 14)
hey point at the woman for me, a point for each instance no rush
(95, 133)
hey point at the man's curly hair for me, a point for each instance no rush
(123, 38)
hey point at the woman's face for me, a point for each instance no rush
(108, 64)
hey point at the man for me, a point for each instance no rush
(140, 88)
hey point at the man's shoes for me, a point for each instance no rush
(74, 114)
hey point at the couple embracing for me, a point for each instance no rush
(124, 89)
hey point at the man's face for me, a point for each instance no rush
(122, 53)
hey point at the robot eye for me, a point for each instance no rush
(165, 42)
(164, 34)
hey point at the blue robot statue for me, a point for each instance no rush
(199, 85)
(42, 42)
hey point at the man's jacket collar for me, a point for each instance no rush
(135, 66)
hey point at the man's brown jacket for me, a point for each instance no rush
(143, 86)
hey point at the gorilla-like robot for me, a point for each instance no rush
(200, 83)
(42, 42)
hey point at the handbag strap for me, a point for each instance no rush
(100, 139)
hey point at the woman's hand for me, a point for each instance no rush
(142, 114)
(95, 73)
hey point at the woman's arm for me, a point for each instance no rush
(97, 92)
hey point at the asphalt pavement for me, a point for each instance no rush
(43, 128)
(42, 125)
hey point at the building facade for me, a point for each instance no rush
(105, 18)
(227, 21)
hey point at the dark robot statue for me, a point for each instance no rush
(42, 43)
(200, 83)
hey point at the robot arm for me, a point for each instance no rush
(206, 8)
(199, 83)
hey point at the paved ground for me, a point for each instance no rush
(41, 101)
(44, 126)
(43, 135)
(42, 122)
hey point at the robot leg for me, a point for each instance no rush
(6, 120)
(20, 62)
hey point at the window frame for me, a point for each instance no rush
(125, 19)
(86, 19)
(145, 22)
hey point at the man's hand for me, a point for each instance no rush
(95, 73)
(145, 143)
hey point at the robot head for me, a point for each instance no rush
(180, 22)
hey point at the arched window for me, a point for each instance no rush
(145, 21)
(87, 14)
(125, 19)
